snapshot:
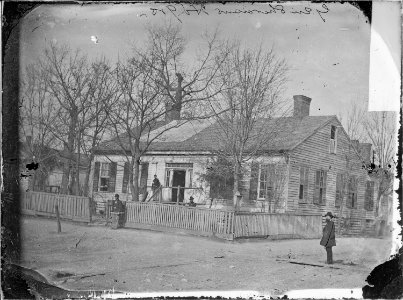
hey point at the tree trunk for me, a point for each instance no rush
(69, 148)
(236, 186)
(87, 175)
(135, 182)
(65, 178)
(77, 189)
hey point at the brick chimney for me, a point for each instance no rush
(173, 112)
(301, 106)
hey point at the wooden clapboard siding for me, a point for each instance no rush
(314, 153)
(70, 206)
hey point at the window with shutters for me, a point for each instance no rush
(319, 195)
(303, 184)
(333, 139)
(104, 179)
(369, 195)
(352, 192)
(339, 189)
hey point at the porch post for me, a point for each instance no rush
(177, 195)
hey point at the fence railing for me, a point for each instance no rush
(69, 206)
(201, 220)
(271, 224)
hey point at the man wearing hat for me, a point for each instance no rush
(118, 207)
(329, 237)
(191, 203)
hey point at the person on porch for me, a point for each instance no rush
(329, 237)
(191, 203)
(154, 187)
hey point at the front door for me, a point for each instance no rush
(179, 177)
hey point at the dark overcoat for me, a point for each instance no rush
(329, 235)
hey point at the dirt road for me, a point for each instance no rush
(95, 257)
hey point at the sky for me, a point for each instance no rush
(326, 49)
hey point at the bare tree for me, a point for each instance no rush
(253, 81)
(380, 128)
(36, 113)
(377, 128)
(93, 123)
(73, 85)
(353, 121)
(156, 88)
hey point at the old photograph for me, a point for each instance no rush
(222, 149)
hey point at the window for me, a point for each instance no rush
(369, 195)
(333, 139)
(265, 183)
(319, 195)
(104, 179)
(303, 184)
(339, 189)
(352, 192)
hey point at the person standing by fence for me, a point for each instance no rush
(156, 188)
(329, 237)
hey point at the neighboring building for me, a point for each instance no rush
(308, 167)
(48, 175)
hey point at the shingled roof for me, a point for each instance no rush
(203, 135)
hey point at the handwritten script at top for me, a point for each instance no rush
(179, 10)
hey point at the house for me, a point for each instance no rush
(310, 166)
(47, 177)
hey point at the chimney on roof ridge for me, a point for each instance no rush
(173, 109)
(301, 106)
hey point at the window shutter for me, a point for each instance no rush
(254, 177)
(144, 177)
(306, 184)
(96, 176)
(126, 173)
(301, 195)
(367, 195)
(338, 195)
(316, 192)
(324, 187)
(350, 192)
(112, 177)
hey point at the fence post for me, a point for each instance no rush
(59, 226)
(90, 208)
(233, 224)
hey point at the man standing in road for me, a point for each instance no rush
(329, 237)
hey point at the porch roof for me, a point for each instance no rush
(277, 134)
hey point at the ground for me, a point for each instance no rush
(98, 257)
